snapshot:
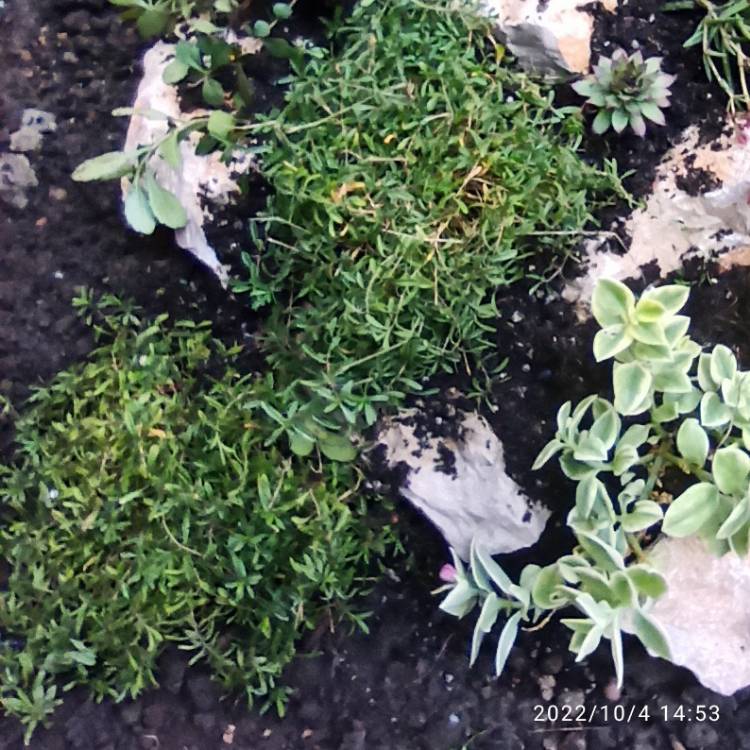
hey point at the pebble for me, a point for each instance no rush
(546, 684)
(612, 692)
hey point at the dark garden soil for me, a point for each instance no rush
(406, 685)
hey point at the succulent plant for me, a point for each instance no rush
(626, 89)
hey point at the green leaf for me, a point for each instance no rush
(714, 413)
(588, 495)
(672, 297)
(616, 648)
(590, 448)
(300, 445)
(692, 510)
(549, 450)
(174, 72)
(460, 600)
(170, 151)
(649, 333)
(152, 22)
(484, 565)
(606, 556)
(706, 382)
(730, 468)
(649, 310)
(611, 303)
(220, 124)
(261, 29)
(723, 364)
(672, 381)
(203, 26)
(544, 593)
(165, 205)
(653, 113)
(650, 634)
(602, 121)
(738, 518)
(590, 642)
(610, 341)
(107, 166)
(337, 448)
(607, 427)
(635, 436)
(487, 617)
(212, 92)
(138, 211)
(282, 10)
(505, 642)
(692, 442)
(644, 513)
(281, 49)
(646, 581)
(632, 384)
(619, 120)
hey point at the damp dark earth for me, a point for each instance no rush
(404, 682)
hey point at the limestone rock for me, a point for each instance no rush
(551, 37)
(698, 208)
(200, 179)
(705, 612)
(458, 480)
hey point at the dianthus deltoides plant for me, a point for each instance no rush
(149, 505)
(675, 407)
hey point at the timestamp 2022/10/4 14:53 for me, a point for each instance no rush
(588, 714)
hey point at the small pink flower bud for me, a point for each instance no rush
(447, 573)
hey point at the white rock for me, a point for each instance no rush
(199, 177)
(705, 612)
(16, 177)
(547, 38)
(472, 496)
(674, 225)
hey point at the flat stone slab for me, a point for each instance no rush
(705, 612)
(458, 480)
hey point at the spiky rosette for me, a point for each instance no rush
(626, 89)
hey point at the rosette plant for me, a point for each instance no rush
(676, 410)
(627, 90)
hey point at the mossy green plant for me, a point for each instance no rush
(144, 509)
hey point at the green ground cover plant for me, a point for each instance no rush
(414, 172)
(146, 507)
(677, 410)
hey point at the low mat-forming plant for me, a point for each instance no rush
(676, 408)
(146, 507)
(626, 90)
(413, 172)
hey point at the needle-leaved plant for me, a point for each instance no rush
(146, 507)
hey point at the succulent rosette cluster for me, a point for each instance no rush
(627, 90)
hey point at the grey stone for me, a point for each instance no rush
(39, 120)
(461, 485)
(16, 178)
(25, 139)
(705, 613)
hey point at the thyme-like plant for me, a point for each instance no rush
(687, 410)
(626, 89)
(149, 504)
